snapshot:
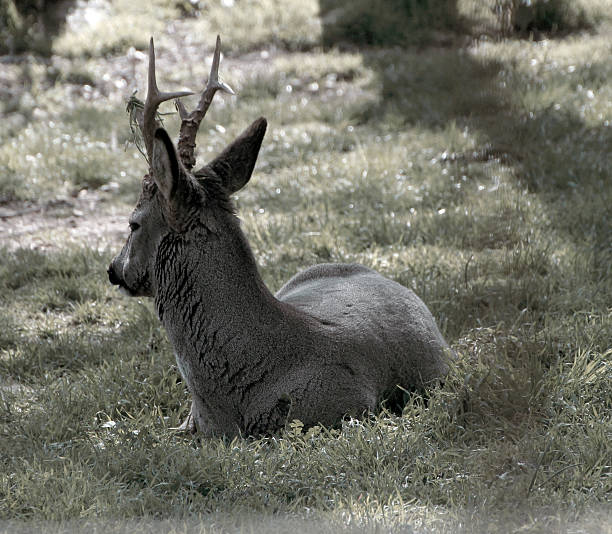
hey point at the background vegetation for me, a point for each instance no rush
(469, 160)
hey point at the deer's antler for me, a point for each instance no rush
(190, 122)
(154, 98)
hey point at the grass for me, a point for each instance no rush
(478, 175)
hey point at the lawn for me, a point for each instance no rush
(469, 164)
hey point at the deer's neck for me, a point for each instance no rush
(219, 315)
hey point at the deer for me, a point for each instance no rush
(334, 341)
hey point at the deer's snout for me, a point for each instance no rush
(112, 276)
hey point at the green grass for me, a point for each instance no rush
(478, 176)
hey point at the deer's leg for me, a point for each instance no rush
(188, 425)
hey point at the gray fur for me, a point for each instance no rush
(334, 340)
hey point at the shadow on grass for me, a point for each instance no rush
(31, 25)
(387, 23)
(550, 149)
(553, 152)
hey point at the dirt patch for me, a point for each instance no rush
(86, 220)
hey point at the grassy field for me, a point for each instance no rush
(474, 169)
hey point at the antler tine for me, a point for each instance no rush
(191, 121)
(154, 98)
(213, 79)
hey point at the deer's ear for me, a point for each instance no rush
(235, 164)
(164, 164)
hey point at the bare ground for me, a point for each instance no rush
(87, 219)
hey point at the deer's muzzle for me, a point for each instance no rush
(112, 276)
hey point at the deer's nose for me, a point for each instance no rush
(112, 276)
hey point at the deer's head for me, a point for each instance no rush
(173, 198)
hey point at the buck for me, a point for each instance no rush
(335, 340)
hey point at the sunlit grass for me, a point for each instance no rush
(101, 28)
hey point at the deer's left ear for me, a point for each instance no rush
(165, 166)
(235, 164)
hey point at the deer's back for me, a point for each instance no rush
(373, 318)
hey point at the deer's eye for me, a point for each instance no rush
(134, 226)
